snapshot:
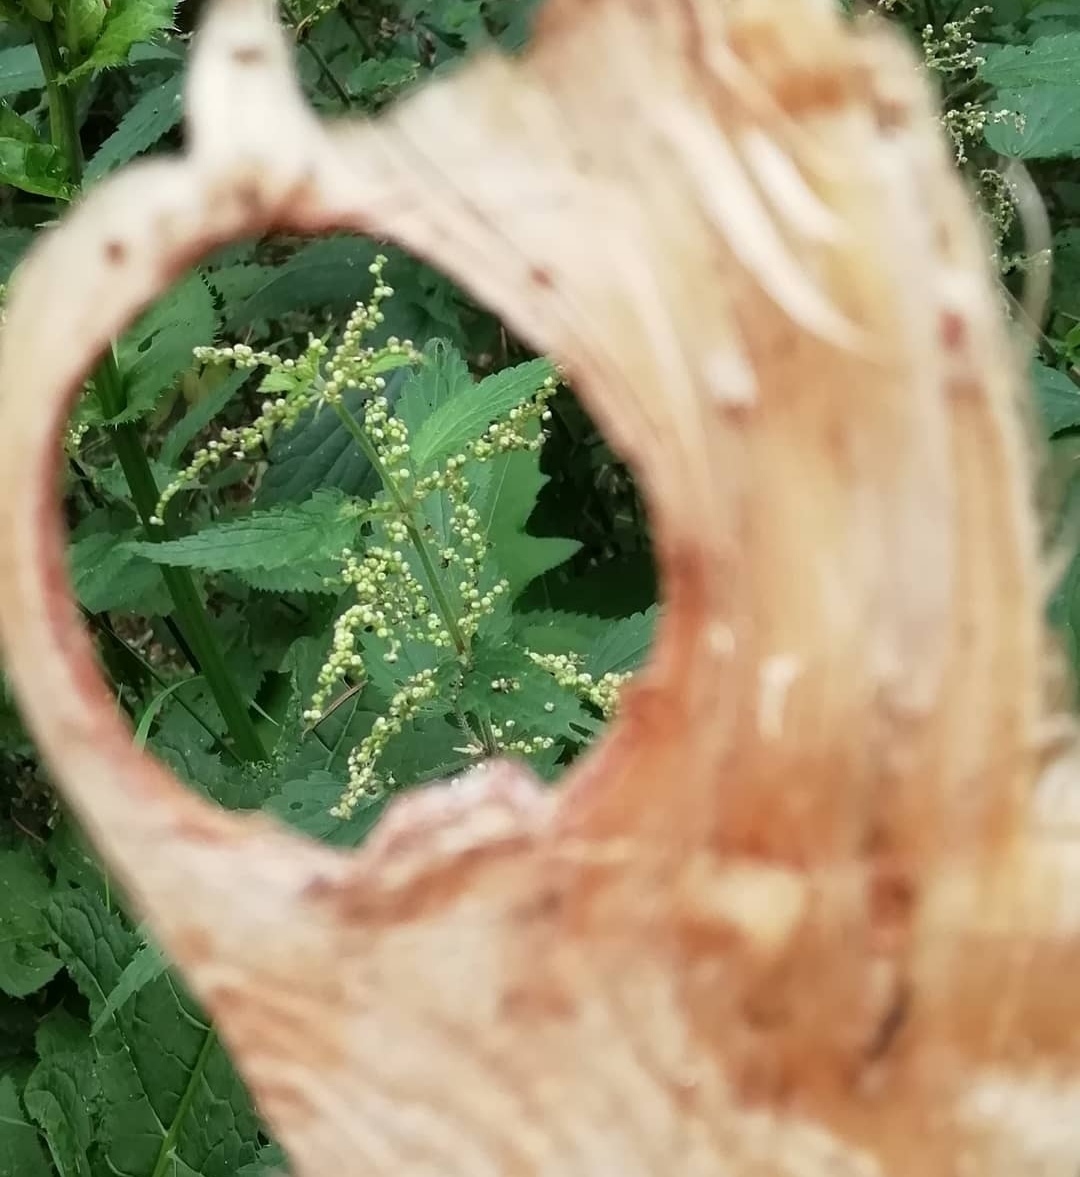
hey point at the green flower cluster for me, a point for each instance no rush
(603, 692)
(319, 376)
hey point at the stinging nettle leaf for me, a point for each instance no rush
(154, 115)
(21, 1152)
(1053, 60)
(1040, 122)
(279, 538)
(170, 1098)
(1058, 398)
(107, 575)
(20, 71)
(26, 958)
(472, 408)
(63, 1093)
(128, 22)
(34, 167)
(505, 506)
(623, 645)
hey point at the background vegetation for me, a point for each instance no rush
(338, 534)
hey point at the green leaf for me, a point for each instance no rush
(107, 574)
(1058, 399)
(170, 1098)
(317, 453)
(158, 348)
(20, 70)
(507, 502)
(1053, 61)
(440, 379)
(282, 538)
(1049, 127)
(331, 273)
(83, 20)
(14, 126)
(551, 631)
(199, 416)
(21, 1154)
(35, 167)
(26, 959)
(154, 115)
(471, 408)
(63, 1092)
(376, 80)
(536, 704)
(305, 805)
(127, 23)
(269, 1163)
(13, 244)
(145, 966)
(623, 644)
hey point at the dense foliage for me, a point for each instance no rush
(338, 534)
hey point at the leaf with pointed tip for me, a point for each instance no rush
(151, 117)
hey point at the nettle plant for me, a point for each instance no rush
(424, 647)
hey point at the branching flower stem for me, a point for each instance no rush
(442, 601)
(192, 618)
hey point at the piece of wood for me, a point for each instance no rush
(809, 908)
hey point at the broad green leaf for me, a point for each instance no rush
(623, 645)
(1049, 125)
(20, 70)
(154, 115)
(280, 538)
(128, 22)
(106, 575)
(305, 805)
(427, 750)
(467, 414)
(21, 1152)
(440, 380)
(14, 126)
(317, 453)
(169, 1095)
(158, 348)
(508, 501)
(63, 1093)
(1051, 61)
(534, 704)
(26, 959)
(34, 167)
(551, 631)
(1058, 399)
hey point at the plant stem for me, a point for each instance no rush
(64, 132)
(316, 55)
(191, 615)
(442, 601)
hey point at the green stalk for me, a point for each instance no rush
(191, 615)
(442, 601)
